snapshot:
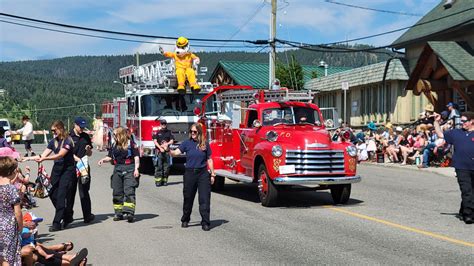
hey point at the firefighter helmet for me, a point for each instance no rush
(182, 42)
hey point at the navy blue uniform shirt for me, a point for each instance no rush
(80, 143)
(195, 157)
(163, 135)
(119, 156)
(56, 145)
(463, 141)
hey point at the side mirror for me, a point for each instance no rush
(256, 123)
(197, 111)
(329, 123)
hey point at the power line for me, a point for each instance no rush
(117, 32)
(259, 8)
(374, 9)
(113, 38)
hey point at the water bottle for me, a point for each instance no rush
(417, 160)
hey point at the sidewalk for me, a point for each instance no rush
(444, 171)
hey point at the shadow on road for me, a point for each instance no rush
(217, 223)
(455, 214)
(246, 192)
(98, 219)
(145, 216)
(287, 198)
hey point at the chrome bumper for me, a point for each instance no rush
(323, 180)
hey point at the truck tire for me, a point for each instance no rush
(341, 193)
(267, 191)
(219, 182)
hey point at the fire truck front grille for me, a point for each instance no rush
(316, 161)
(180, 131)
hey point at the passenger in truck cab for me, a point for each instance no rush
(196, 176)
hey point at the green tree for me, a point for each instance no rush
(290, 76)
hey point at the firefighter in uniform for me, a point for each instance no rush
(162, 139)
(196, 176)
(125, 179)
(184, 61)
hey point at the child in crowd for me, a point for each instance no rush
(28, 235)
(11, 222)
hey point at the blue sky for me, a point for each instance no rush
(309, 21)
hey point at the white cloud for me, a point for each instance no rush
(168, 45)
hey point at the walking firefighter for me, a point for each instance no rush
(125, 178)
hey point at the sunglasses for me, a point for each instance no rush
(194, 131)
(464, 120)
(54, 129)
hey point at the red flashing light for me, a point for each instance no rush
(197, 111)
(346, 135)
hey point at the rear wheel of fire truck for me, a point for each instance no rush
(341, 193)
(267, 191)
(219, 182)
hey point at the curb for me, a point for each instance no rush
(443, 171)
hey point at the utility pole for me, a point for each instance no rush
(272, 43)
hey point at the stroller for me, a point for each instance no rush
(42, 185)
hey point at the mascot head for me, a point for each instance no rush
(182, 46)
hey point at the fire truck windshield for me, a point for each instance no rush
(291, 115)
(169, 104)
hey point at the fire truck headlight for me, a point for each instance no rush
(277, 151)
(351, 150)
(271, 136)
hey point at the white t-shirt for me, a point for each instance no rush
(27, 131)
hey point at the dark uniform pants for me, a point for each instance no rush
(123, 186)
(61, 177)
(466, 184)
(197, 180)
(83, 196)
(162, 167)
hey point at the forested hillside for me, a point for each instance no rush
(42, 84)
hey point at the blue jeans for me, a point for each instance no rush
(427, 151)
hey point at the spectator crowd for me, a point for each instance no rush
(414, 144)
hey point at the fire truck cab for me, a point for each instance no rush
(276, 138)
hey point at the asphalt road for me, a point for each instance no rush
(395, 216)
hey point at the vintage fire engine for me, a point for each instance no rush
(150, 95)
(275, 138)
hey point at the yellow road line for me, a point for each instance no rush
(403, 227)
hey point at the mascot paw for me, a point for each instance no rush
(196, 90)
(181, 91)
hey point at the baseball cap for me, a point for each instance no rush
(450, 104)
(163, 121)
(29, 216)
(81, 122)
(6, 151)
(399, 129)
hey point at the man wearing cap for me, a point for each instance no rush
(463, 160)
(82, 149)
(454, 115)
(162, 139)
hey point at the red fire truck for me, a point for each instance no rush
(150, 95)
(276, 138)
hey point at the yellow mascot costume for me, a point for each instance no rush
(184, 61)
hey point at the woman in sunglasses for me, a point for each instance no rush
(63, 173)
(463, 160)
(196, 177)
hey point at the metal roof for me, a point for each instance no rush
(439, 21)
(360, 76)
(257, 74)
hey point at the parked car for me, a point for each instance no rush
(6, 125)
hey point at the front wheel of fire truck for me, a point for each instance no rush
(219, 182)
(341, 193)
(267, 191)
